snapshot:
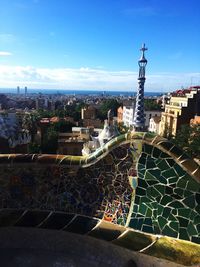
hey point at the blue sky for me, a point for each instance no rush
(94, 44)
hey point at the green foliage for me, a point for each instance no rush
(29, 122)
(63, 126)
(50, 142)
(74, 110)
(108, 104)
(34, 148)
(151, 104)
(188, 139)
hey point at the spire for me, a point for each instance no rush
(139, 120)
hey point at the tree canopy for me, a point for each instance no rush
(188, 139)
(108, 104)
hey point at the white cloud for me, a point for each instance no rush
(4, 53)
(90, 78)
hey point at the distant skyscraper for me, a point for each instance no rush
(25, 91)
(139, 119)
(18, 90)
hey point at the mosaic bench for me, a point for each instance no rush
(137, 180)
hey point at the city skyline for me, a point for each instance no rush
(95, 44)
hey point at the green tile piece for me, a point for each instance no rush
(173, 179)
(156, 152)
(197, 219)
(152, 182)
(148, 221)
(169, 173)
(141, 173)
(147, 229)
(152, 192)
(197, 209)
(157, 160)
(179, 191)
(149, 205)
(140, 223)
(154, 204)
(149, 212)
(166, 212)
(149, 176)
(169, 232)
(190, 201)
(168, 190)
(140, 191)
(183, 212)
(142, 209)
(162, 222)
(176, 204)
(183, 234)
(193, 214)
(187, 193)
(133, 223)
(155, 213)
(135, 208)
(150, 164)
(172, 217)
(160, 209)
(191, 229)
(160, 188)
(183, 222)
(157, 230)
(158, 198)
(198, 228)
(174, 226)
(142, 160)
(140, 167)
(164, 155)
(166, 200)
(179, 170)
(193, 186)
(163, 165)
(170, 162)
(155, 172)
(182, 183)
(162, 180)
(142, 183)
(148, 149)
(144, 200)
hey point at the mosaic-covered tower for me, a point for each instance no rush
(139, 119)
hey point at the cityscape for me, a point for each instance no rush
(99, 140)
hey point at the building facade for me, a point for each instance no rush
(128, 116)
(183, 106)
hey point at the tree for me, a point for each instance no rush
(50, 142)
(63, 126)
(29, 122)
(108, 104)
(151, 104)
(188, 139)
(34, 148)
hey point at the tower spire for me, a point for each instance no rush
(139, 120)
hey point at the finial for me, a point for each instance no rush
(143, 48)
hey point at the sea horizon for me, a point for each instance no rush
(79, 92)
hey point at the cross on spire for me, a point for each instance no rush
(143, 48)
